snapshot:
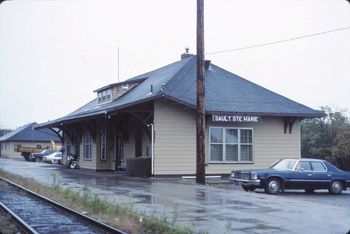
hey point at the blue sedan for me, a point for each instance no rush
(307, 174)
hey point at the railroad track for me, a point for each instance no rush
(34, 213)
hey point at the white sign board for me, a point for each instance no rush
(236, 118)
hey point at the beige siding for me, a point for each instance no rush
(175, 142)
(129, 147)
(8, 148)
(88, 163)
(175, 136)
(110, 148)
(270, 143)
(101, 164)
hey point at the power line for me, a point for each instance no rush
(279, 41)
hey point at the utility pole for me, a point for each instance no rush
(118, 64)
(200, 133)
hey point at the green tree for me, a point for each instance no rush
(327, 138)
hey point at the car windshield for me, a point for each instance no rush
(284, 164)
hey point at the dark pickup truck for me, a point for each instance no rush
(38, 157)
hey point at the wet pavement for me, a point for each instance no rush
(215, 210)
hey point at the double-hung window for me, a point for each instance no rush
(230, 144)
(104, 96)
(87, 145)
(103, 145)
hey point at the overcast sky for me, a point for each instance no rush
(53, 54)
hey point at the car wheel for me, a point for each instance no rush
(37, 159)
(336, 187)
(248, 188)
(73, 165)
(273, 186)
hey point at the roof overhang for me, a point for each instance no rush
(104, 112)
(92, 115)
(316, 114)
(271, 114)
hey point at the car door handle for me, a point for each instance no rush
(309, 174)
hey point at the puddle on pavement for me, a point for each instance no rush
(238, 202)
(259, 209)
(248, 221)
(193, 217)
(150, 199)
(200, 211)
(201, 195)
(121, 192)
(143, 198)
(261, 227)
(230, 218)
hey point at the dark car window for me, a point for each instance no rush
(318, 166)
(302, 165)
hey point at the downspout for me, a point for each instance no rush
(105, 140)
(152, 147)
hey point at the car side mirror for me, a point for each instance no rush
(301, 170)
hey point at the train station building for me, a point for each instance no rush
(27, 136)
(146, 125)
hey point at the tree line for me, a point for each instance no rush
(327, 138)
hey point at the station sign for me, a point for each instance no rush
(236, 118)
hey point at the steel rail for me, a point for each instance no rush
(90, 220)
(20, 223)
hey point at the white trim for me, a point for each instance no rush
(239, 144)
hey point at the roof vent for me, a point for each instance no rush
(186, 54)
(206, 64)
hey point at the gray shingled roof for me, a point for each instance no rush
(28, 133)
(225, 93)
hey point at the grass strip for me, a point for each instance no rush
(122, 216)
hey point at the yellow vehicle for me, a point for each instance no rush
(26, 151)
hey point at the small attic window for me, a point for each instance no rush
(104, 95)
(108, 94)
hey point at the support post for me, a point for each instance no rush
(200, 132)
(152, 148)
